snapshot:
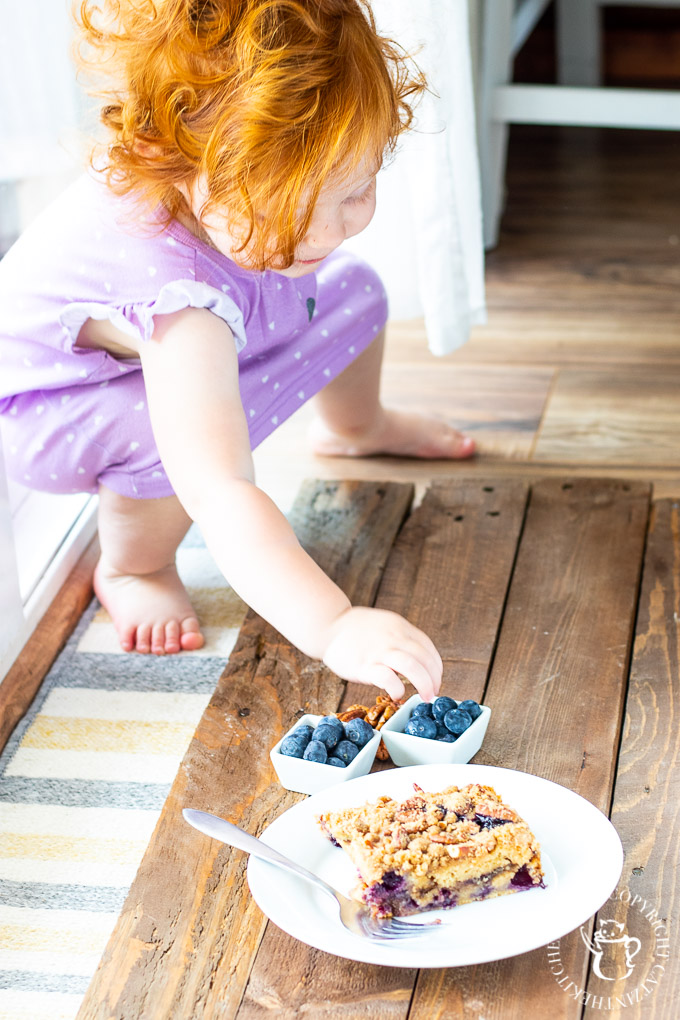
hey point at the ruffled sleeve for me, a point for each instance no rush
(137, 320)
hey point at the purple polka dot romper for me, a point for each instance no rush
(73, 417)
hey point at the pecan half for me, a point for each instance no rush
(492, 810)
(353, 712)
(374, 714)
(387, 714)
(471, 848)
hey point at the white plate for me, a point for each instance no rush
(580, 850)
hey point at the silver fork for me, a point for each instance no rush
(354, 916)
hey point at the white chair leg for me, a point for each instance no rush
(579, 43)
(495, 68)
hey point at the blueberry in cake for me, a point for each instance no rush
(436, 850)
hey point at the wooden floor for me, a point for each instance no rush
(578, 366)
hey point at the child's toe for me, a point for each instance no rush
(144, 638)
(191, 638)
(172, 636)
(128, 638)
(463, 446)
(158, 639)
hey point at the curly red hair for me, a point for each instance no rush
(264, 99)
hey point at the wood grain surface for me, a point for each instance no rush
(646, 807)
(448, 573)
(189, 929)
(627, 414)
(559, 673)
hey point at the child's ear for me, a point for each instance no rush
(183, 189)
(146, 149)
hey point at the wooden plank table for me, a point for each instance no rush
(557, 605)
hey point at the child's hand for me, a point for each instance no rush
(371, 646)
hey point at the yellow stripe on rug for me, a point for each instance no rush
(56, 733)
(44, 934)
(62, 848)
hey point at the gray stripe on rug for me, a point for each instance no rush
(83, 793)
(190, 675)
(30, 981)
(106, 898)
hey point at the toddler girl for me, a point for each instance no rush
(186, 296)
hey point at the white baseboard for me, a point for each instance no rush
(54, 570)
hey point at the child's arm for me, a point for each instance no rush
(191, 375)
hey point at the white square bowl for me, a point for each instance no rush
(407, 750)
(302, 776)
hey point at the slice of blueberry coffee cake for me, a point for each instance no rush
(436, 850)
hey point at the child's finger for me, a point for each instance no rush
(427, 651)
(424, 652)
(414, 670)
(383, 677)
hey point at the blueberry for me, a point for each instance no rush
(328, 735)
(332, 720)
(303, 733)
(440, 706)
(346, 751)
(457, 721)
(338, 762)
(446, 736)
(292, 746)
(359, 731)
(315, 751)
(422, 708)
(472, 707)
(421, 726)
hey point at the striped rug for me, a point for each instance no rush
(82, 783)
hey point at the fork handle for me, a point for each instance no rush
(227, 832)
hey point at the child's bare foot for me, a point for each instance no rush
(151, 612)
(398, 433)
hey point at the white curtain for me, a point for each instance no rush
(41, 111)
(426, 237)
(40, 100)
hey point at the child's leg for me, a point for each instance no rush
(136, 578)
(353, 423)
